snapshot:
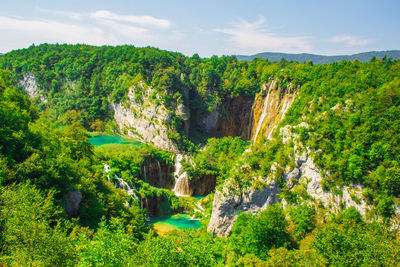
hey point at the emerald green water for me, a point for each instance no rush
(103, 140)
(172, 222)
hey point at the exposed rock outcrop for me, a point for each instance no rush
(29, 84)
(186, 186)
(270, 107)
(210, 122)
(308, 174)
(228, 205)
(72, 201)
(235, 117)
(144, 116)
(158, 174)
(203, 185)
(157, 206)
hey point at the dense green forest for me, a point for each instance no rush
(87, 79)
(320, 59)
(351, 109)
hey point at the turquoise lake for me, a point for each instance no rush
(177, 221)
(103, 140)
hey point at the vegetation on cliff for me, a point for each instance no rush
(352, 113)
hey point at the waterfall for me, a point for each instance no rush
(274, 108)
(198, 209)
(288, 100)
(278, 118)
(122, 184)
(159, 174)
(181, 187)
(125, 186)
(264, 111)
(144, 172)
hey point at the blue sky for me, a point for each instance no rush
(218, 27)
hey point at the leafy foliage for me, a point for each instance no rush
(32, 229)
(352, 109)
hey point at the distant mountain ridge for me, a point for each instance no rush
(320, 59)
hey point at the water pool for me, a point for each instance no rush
(173, 222)
(104, 139)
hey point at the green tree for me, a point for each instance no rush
(111, 245)
(31, 228)
(257, 234)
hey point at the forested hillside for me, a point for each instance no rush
(88, 79)
(299, 162)
(319, 59)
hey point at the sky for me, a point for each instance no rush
(218, 27)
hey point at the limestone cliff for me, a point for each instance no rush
(251, 118)
(157, 174)
(29, 84)
(145, 117)
(235, 117)
(229, 203)
(270, 107)
(186, 186)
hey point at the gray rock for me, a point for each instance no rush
(228, 205)
(146, 119)
(29, 84)
(210, 122)
(72, 201)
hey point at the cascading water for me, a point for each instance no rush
(198, 209)
(144, 173)
(264, 111)
(273, 109)
(288, 100)
(181, 187)
(121, 183)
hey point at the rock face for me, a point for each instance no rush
(203, 185)
(227, 205)
(143, 116)
(269, 108)
(235, 117)
(308, 174)
(72, 201)
(29, 84)
(184, 186)
(157, 206)
(210, 122)
(158, 174)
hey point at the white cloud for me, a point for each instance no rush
(349, 40)
(140, 20)
(252, 37)
(53, 31)
(95, 28)
(106, 15)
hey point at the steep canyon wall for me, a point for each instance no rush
(251, 118)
